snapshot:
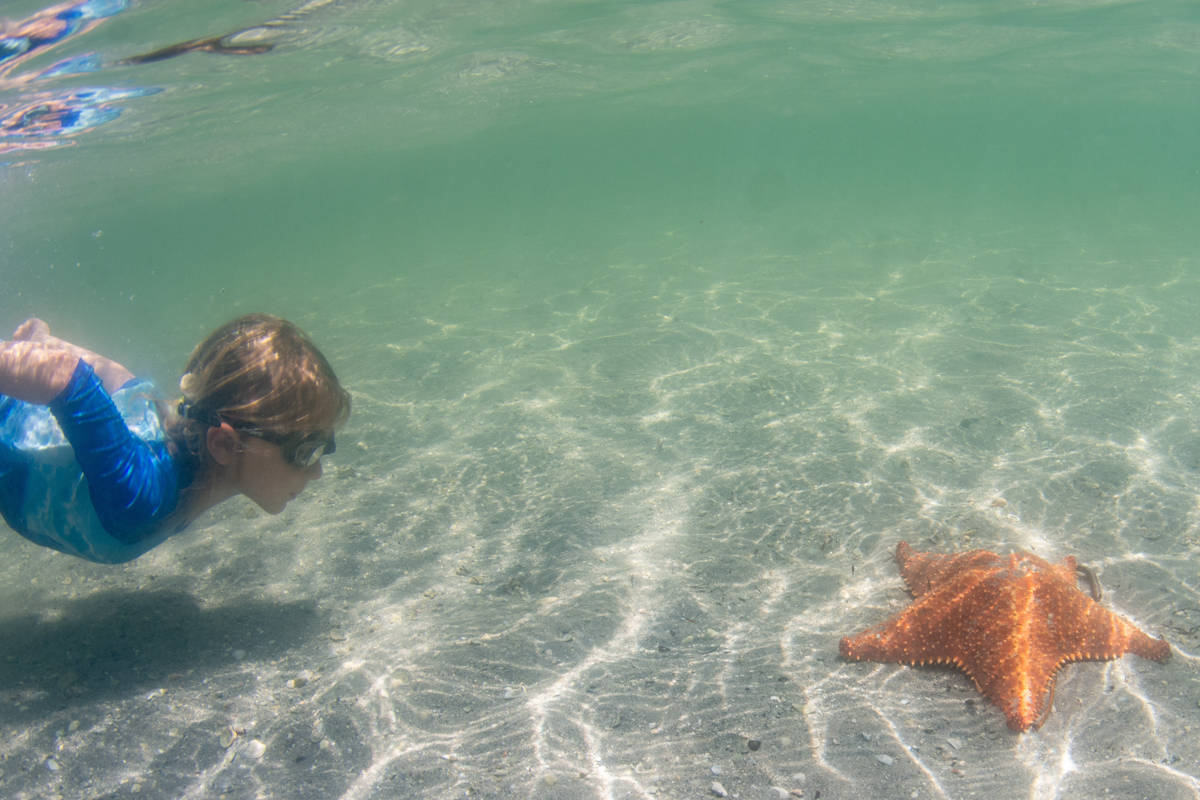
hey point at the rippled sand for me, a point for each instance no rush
(603, 542)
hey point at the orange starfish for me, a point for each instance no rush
(1009, 622)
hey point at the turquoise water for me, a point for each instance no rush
(664, 323)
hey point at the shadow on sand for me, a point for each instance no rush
(116, 643)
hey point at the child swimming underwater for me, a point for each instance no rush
(91, 464)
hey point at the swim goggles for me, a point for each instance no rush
(302, 450)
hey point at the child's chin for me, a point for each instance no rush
(273, 510)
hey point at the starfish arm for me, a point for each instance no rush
(1016, 678)
(923, 572)
(933, 630)
(1022, 696)
(1149, 647)
(1103, 635)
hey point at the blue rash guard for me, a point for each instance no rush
(90, 474)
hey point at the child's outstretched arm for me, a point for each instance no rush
(35, 366)
(33, 372)
(132, 483)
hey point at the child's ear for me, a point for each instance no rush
(223, 444)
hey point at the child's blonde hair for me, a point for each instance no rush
(257, 372)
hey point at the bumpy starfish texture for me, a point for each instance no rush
(1009, 622)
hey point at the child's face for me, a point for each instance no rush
(267, 478)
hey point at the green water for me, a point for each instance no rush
(549, 140)
(664, 322)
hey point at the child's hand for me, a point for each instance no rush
(35, 372)
(35, 331)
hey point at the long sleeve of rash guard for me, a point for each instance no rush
(133, 483)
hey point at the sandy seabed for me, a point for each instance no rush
(603, 543)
